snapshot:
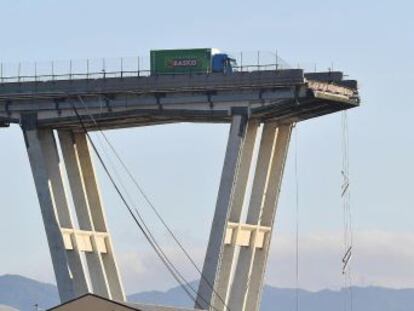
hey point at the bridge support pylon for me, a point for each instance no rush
(238, 247)
(72, 247)
(261, 106)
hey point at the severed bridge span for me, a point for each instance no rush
(266, 103)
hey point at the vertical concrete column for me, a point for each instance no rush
(46, 169)
(247, 286)
(222, 213)
(97, 214)
(236, 207)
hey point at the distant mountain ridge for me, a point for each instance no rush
(280, 299)
(22, 293)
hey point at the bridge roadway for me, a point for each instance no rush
(272, 95)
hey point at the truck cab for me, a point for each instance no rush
(221, 62)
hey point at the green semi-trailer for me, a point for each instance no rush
(190, 61)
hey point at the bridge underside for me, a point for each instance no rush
(284, 95)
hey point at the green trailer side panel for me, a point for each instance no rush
(181, 61)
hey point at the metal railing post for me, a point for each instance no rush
(104, 68)
(53, 71)
(35, 71)
(241, 61)
(277, 61)
(19, 69)
(122, 67)
(87, 68)
(138, 72)
(70, 70)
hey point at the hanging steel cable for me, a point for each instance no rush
(139, 215)
(128, 196)
(151, 205)
(297, 215)
(139, 221)
(347, 216)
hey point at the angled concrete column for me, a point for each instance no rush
(248, 282)
(103, 270)
(222, 213)
(98, 278)
(45, 163)
(236, 207)
(267, 218)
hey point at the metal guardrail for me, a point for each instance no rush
(113, 74)
(118, 68)
(73, 76)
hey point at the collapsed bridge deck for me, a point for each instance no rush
(273, 95)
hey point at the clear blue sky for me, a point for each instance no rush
(180, 165)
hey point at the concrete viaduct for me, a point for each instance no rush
(265, 103)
